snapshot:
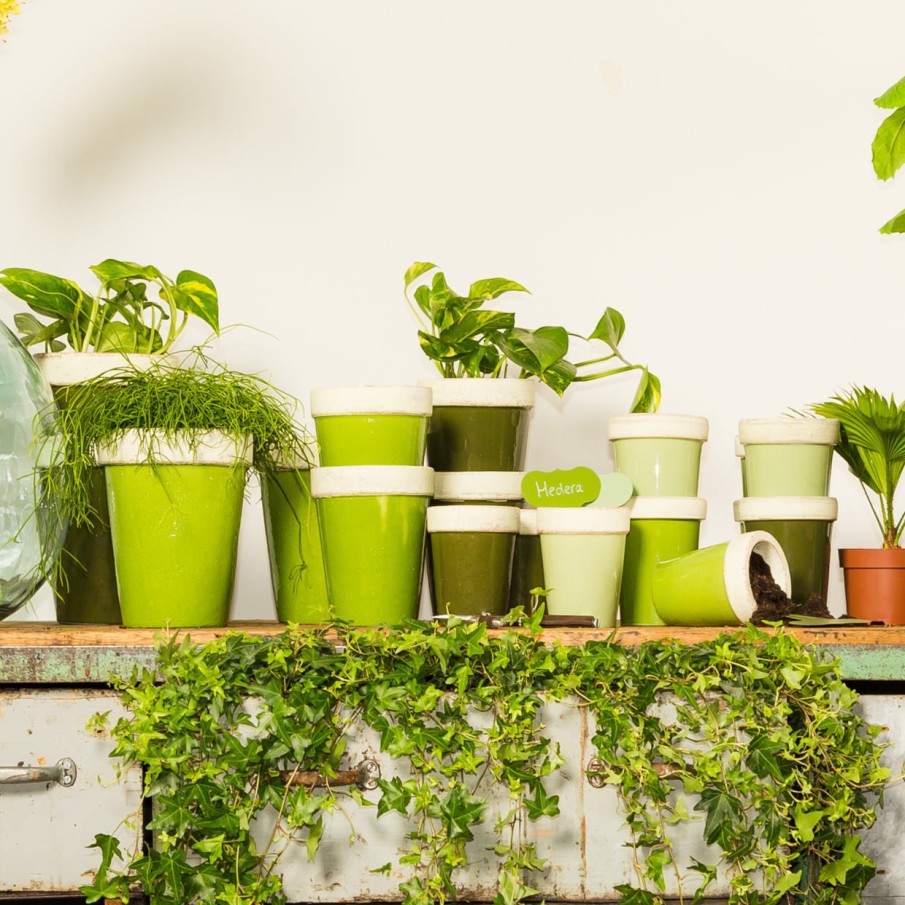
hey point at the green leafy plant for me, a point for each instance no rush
(888, 149)
(120, 316)
(464, 339)
(872, 443)
(752, 735)
(166, 400)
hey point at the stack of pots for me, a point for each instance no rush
(785, 466)
(371, 492)
(661, 455)
(483, 554)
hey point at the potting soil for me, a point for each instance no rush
(773, 604)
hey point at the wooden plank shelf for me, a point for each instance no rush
(47, 652)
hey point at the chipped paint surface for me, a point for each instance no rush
(70, 665)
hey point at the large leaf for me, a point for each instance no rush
(892, 97)
(110, 269)
(723, 814)
(647, 396)
(493, 288)
(548, 344)
(609, 328)
(477, 323)
(888, 147)
(195, 294)
(44, 293)
(418, 269)
(895, 225)
(32, 331)
(119, 337)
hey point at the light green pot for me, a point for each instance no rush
(662, 528)
(372, 531)
(175, 527)
(294, 547)
(660, 454)
(712, 586)
(371, 425)
(583, 552)
(788, 456)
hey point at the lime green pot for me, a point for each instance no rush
(372, 531)
(85, 586)
(712, 586)
(175, 526)
(294, 547)
(471, 557)
(662, 528)
(660, 454)
(527, 562)
(788, 456)
(583, 553)
(479, 424)
(803, 527)
(371, 425)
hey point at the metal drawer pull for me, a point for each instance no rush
(365, 776)
(63, 772)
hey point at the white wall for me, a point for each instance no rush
(704, 167)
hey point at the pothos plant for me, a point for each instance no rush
(464, 339)
(120, 316)
(752, 737)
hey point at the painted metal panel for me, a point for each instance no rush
(45, 826)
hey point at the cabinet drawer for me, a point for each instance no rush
(46, 825)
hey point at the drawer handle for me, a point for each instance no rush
(364, 776)
(63, 772)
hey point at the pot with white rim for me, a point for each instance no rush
(659, 453)
(482, 487)
(479, 424)
(175, 509)
(527, 562)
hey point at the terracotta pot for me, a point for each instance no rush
(875, 583)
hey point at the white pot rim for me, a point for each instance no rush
(475, 519)
(371, 480)
(583, 520)
(150, 447)
(371, 400)
(737, 565)
(62, 369)
(478, 485)
(820, 431)
(527, 522)
(668, 507)
(644, 425)
(739, 448)
(786, 508)
(505, 392)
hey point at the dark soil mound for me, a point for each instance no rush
(773, 604)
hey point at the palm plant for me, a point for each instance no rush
(872, 443)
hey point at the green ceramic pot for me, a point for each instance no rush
(371, 425)
(471, 557)
(803, 527)
(662, 528)
(294, 547)
(527, 562)
(583, 552)
(712, 586)
(788, 456)
(479, 424)
(372, 532)
(175, 526)
(660, 454)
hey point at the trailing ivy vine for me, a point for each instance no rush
(752, 735)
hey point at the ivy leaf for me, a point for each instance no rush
(892, 97)
(888, 148)
(723, 813)
(806, 821)
(632, 896)
(895, 225)
(786, 882)
(541, 804)
(762, 757)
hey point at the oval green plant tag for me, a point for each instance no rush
(615, 490)
(575, 487)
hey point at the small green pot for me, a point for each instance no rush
(471, 557)
(175, 526)
(372, 532)
(712, 586)
(803, 527)
(479, 424)
(788, 456)
(583, 552)
(662, 528)
(371, 425)
(527, 562)
(294, 547)
(660, 454)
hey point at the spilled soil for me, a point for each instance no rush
(773, 604)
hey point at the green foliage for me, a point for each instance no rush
(872, 443)
(119, 317)
(888, 149)
(465, 340)
(167, 400)
(784, 774)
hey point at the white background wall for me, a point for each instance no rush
(704, 167)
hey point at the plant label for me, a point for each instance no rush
(564, 488)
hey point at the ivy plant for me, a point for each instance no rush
(888, 149)
(464, 339)
(752, 735)
(120, 316)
